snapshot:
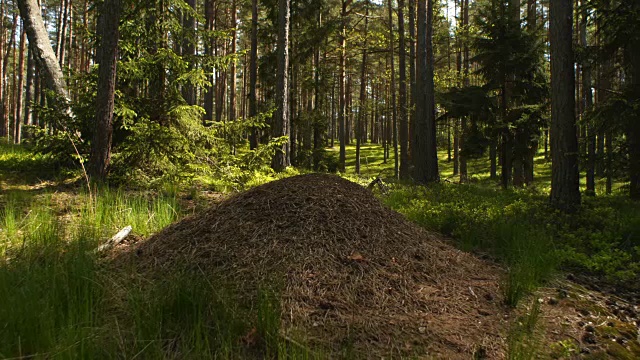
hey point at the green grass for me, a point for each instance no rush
(60, 300)
(517, 226)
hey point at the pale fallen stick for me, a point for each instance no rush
(116, 239)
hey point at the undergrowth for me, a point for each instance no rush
(518, 228)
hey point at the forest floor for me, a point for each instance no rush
(71, 305)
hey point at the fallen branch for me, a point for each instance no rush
(378, 181)
(116, 239)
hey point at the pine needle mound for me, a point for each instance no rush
(351, 270)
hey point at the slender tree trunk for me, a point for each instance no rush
(343, 106)
(209, 91)
(28, 118)
(5, 65)
(587, 98)
(565, 191)
(363, 85)
(463, 120)
(108, 36)
(3, 126)
(253, 72)
(394, 107)
(412, 75)
(19, 100)
(232, 81)
(189, 50)
(43, 52)
(425, 155)
(632, 94)
(281, 126)
(404, 126)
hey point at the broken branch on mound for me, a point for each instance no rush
(116, 239)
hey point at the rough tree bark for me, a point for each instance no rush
(565, 191)
(404, 126)
(108, 35)
(425, 156)
(394, 108)
(281, 157)
(363, 77)
(253, 71)
(43, 52)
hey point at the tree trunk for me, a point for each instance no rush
(425, 151)
(28, 118)
(107, 56)
(4, 106)
(189, 50)
(412, 75)
(587, 98)
(565, 191)
(253, 72)
(233, 72)
(209, 90)
(342, 101)
(19, 100)
(394, 107)
(281, 157)
(632, 80)
(465, 61)
(363, 87)
(404, 126)
(42, 50)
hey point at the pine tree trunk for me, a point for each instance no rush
(425, 155)
(28, 118)
(412, 76)
(4, 107)
(108, 35)
(209, 91)
(404, 126)
(363, 77)
(632, 78)
(565, 191)
(281, 158)
(342, 100)
(587, 98)
(233, 71)
(465, 61)
(253, 72)
(189, 50)
(43, 52)
(19, 99)
(394, 107)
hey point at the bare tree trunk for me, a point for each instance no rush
(281, 125)
(425, 151)
(208, 51)
(394, 109)
(412, 75)
(63, 33)
(253, 71)
(343, 106)
(463, 121)
(232, 81)
(42, 50)
(587, 98)
(363, 77)
(5, 65)
(189, 50)
(28, 118)
(19, 100)
(404, 126)
(565, 191)
(108, 36)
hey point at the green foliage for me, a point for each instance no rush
(520, 229)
